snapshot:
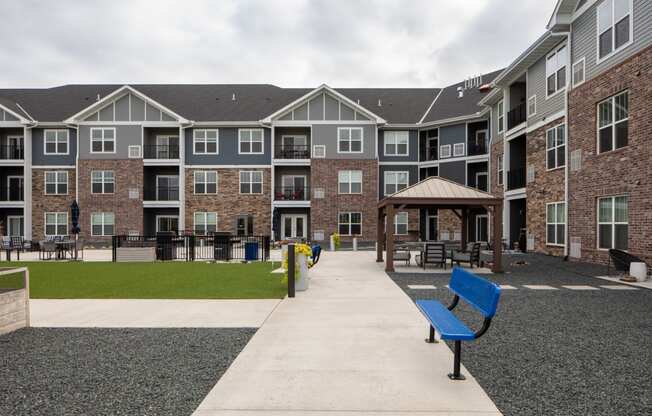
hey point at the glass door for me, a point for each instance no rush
(432, 228)
(162, 147)
(166, 223)
(167, 188)
(15, 188)
(294, 187)
(15, 225)
(482, 228)
(294, 226)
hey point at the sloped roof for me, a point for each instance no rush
(449, 105)
(397, 105)
(437, 188)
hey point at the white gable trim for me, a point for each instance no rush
(21, 119)
(323, 88)
(98, 105)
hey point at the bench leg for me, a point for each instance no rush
(431, 338)
(455, 375)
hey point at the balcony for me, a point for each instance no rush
(296, 151)
(169, 151)
(12, 152)
(12, 194)
(475, 149)
(431, 153)
(162, 193)
(291, 193)
(515, 179)
(516, 116)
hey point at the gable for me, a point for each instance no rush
(323, 107)
(6, 116)
(129, 107)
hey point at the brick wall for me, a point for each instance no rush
(496, 150)
(229, 202)
(548, 186)
(42, 203)
(448, 221)
(324, 211)
(413, 226)
(128, 212)
(624, 171)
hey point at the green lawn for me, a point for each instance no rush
(170, 280)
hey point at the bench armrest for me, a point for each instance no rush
(454, 303)
(485, 327)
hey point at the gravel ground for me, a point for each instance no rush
(560, 352)
(113, 371)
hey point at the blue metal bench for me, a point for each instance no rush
(480, 293)
(316, 252)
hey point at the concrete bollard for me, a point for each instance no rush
(355, 243)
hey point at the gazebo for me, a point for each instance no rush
(436, 192)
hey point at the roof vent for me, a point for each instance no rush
(233, 97)
(460, 92)
(380, 103)
(358, 101)
(98, 98)
(473, 82)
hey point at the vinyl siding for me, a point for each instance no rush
(537, 85)
(228, 150)
(39, 158)
(326, 134)
(413, 175)
(125, 136)
(413, 148)
(455, 171)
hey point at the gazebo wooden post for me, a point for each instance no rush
(498, 238)
(464, 218)
(389, 235)
(380, 237)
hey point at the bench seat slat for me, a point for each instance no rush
(444, 321)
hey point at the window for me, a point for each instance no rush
(401, 223)
(395, 181)
(613, 219)
(56, 223)
(205, 142)
(556, 223)
(445, 151)
(350, 181)
(103, 140)
(500, 169)
(205, 223)
(501, 117)
(556, 71)
(614, 26)
(102, 224)
(250, 141)
(349, 140)
(613, 122)
(319, 151)
(251, 182)
(396, 143)
(205, 182)
(458, 149)
(556, 147)
(102, 182)
(532, 106)
(56, 142)
(578, 72)
(134, 152)
(350, 223)
(56, 183)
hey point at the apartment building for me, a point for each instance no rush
(560, 134)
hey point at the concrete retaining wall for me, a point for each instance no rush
(13, 311)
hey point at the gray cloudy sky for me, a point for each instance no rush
(293, 43)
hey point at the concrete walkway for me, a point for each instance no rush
(150, 313)
(351, 345)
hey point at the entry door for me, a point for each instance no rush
(482, 228)
(294, 226)
(167, 223)
(15, 225)
(294, 147)
(167, 188)
(15, 188)
(162, 147)
(431, 228)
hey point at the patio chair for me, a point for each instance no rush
(17, 243)
(472, 256)
(6, 242)
(48, 248)
(621, 261)
(433, 253)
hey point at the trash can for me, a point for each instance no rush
(251, 250)
(222, 246)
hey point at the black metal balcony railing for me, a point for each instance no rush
(161, 151)
(290, 193)
(515, 179)
(431, 153)
(516, 116)
(12, 152)
(297, 151)
(162, 193)
(477, 149)
(11, 194)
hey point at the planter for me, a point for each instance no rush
(303, 279)
(638, 270)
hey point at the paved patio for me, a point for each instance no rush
(351, 345)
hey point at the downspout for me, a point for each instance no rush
(569, 68)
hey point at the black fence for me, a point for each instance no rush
(12, 152)
(218, 246)
(11, 193)
(297, 151)
(516, 179)
(161, 151)
(477, 149)
(291, 193)
(516, 116)
(161, 193)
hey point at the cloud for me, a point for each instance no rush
(292, 43)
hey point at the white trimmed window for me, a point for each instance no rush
(396, 143)
(613, 122)
(613, 223)
(532, 106)
(458, 149)
(500, 164)
(56, 142)
(556, 71)
(349, 181)
(445, 151)
(614, 26)
(250, 141)
(56, 183)
(556, 223)
(102, 140)
(395, 181)
(251, 182)
(205, 182)
(349, 223)
(349, 140)
(556, 147)
(102, 224)
(205, 223)
(401, 223)
(578, 72)
(501, 116)
(205, 141)
(56, 223)
(102, 182)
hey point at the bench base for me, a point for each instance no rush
(458, 377)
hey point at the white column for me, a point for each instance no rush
(27, 183)
(182, 179)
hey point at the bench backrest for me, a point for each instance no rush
(475, 252)
(435, 252)
(476, 291)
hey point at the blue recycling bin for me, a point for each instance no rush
(251, 251)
